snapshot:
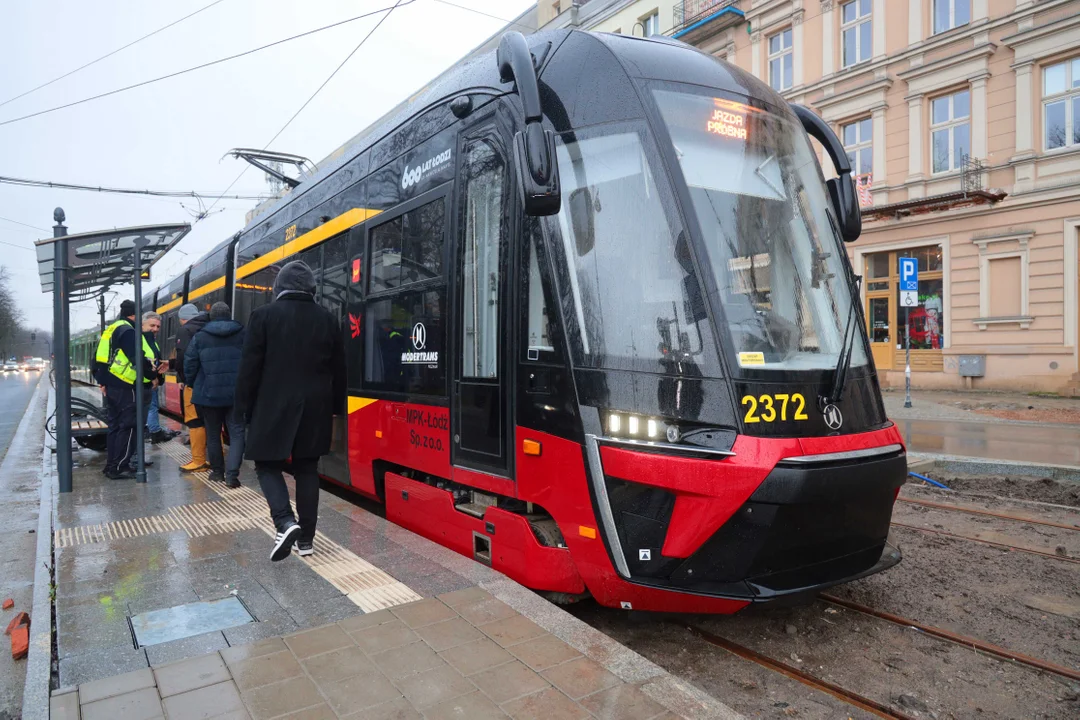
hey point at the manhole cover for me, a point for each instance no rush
(175, 623)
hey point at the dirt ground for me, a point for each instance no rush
(1027, 603)
(1044, 490)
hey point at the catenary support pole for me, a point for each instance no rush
(140, 391)
(61, 352)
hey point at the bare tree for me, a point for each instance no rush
(10, 315)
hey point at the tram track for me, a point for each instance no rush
(988, 513)
(854, 699)
(858, 700)
(992, 543)
(962, 640)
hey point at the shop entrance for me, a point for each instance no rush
(886, 319)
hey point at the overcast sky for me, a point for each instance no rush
(171, 135)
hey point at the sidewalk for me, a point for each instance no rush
(167, 606)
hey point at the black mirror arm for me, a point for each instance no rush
(820, 131)
(537, 146)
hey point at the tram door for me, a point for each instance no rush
(480, 402)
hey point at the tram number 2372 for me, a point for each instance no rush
(770, 408)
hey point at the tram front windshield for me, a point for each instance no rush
(774, 253)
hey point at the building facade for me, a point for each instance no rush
(962, 120)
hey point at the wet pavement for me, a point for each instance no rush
(379, 621)
(19, 483)
(993, 439)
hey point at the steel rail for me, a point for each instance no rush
(1004, 546)
(988, 513)
(860, 701)
(970, 642)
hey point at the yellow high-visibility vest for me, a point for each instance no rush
(117, 360)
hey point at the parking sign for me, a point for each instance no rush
(909, 282)
(909, 274)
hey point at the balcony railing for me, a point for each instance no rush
(688, 12)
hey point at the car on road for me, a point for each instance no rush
(11, 366)
(35, 364)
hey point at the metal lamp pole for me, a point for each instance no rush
(140, 403)
(907, 357)
(62, 361)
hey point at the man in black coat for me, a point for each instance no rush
(291, 384)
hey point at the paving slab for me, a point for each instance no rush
(451, 638)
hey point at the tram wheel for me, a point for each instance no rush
(547, 532)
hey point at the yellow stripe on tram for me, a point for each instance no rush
(170, 305)
(207, 288)
(313, 237)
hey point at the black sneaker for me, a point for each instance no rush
(216, 476)
(231, 482)
(303, 549)
(160, 436)
(284, 542)
(122, 474)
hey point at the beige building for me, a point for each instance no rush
(962, 118)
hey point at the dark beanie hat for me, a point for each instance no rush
(296, 277)
(220, 311)
(127, 308)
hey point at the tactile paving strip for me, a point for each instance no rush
(244, 509)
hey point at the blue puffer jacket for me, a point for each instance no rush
(212, 362)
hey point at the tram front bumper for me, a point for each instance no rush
(806, 527)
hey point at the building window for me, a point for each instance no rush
(858, 141)
(950, 127)
(1061, 104)
(857, 31)
(651, 24)
(781, 61)
(949, 14)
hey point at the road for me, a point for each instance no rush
(995, 439)
(19, 482)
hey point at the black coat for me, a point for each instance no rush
(183, 339)
(212, 363)
(292, 379)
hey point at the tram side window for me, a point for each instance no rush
(254, 291)
(403, 343)
(404, 334)
(408, 249)
(335, 275)
(482, 244)
(539, 343)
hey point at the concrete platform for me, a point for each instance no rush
(379, 622)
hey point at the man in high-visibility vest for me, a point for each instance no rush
(114, 369)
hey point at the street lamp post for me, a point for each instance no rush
(62, 362)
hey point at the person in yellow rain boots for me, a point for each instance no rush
(191, 322)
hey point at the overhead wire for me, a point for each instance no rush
(110, 54)
(24, 182)
(388, 11)
(202, 65)
(531, 28)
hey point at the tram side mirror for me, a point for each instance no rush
(695, 303)
(581, 220)
(534, 147)
(845, 202)
(842, 194)
(537, 171)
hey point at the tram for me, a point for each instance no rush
(602, 333)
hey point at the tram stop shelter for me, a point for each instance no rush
(82, 267)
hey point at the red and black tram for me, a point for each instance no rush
(602, 333)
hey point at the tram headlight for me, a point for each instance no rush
(639, 427)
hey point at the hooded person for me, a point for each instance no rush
(212, 362)
(191, 322)
(291, 384)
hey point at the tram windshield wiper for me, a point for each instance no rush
(847, 347)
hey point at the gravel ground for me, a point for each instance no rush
(1027, 603)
